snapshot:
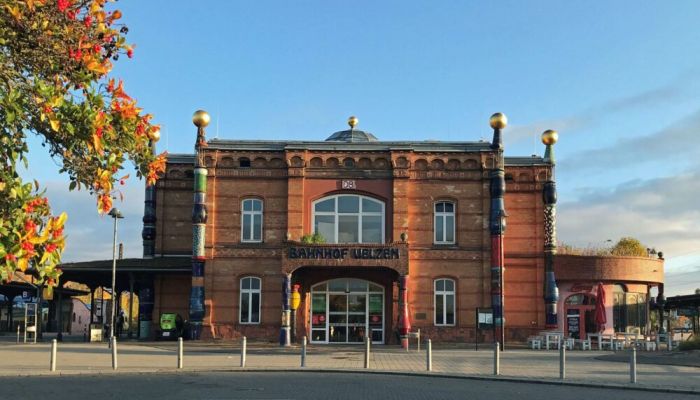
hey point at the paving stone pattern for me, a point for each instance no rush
(582, 367)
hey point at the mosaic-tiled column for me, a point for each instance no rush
(497, 227)
(148, 234)
(404, 319)
(199, 221)
(285, 338)
(549, 197)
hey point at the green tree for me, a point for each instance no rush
(55, 57)
(629, 246)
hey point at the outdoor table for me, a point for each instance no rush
(552, 336)
(602, 338)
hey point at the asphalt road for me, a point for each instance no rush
(293, 385)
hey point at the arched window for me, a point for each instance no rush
(444, 222)
(252, 220)
(444, 302)
(349, 219)
(250, 300)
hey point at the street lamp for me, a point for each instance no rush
(115, 214)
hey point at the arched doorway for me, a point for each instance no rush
(346, 310)
(580, 315)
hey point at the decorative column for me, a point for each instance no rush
(661, 304)
(497, 227)
(148, 234)
(285, 339)
(199, 221)
(549, 197)
(404, 319)
(146, 295)
(294, 304)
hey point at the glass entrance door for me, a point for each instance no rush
(346, 311)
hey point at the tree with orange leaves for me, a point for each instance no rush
(55, 60)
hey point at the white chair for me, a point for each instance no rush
(584, 343)
(618, 344)
(569, 343)
(535, 342)
(649, 345)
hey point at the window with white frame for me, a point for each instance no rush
(252, 220)
(444, 302)
(250, 300)
(349, 219)
(444, 222)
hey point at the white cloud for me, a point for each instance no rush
(661, 213)
(89, 235)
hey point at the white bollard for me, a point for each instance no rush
(303, 352)
(562, 361)
(52, 366)
(367, 350)
(429, 355)
(114, 352)
(180, 353)
(633, 365)
(17, 333)
(243, 351)
(496, 359)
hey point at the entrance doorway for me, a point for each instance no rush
(347, 311)
(580, 315)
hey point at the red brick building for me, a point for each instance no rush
(403, 236)
(385, 210)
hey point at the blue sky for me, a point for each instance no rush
(618, 80)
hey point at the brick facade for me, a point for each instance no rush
(408, 178)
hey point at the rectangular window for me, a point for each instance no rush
(251, 220)
(444, 223)
(445, 305)
(250, 301)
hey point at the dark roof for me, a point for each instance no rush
(688, 300)
(525, 161)
(352, 135)
(418, 146)
(156, 264)
(261, 145)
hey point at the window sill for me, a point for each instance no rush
(249, 323)
(445, 246)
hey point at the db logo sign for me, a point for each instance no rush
(348, 184)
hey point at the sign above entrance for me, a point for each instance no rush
(341, 253)
(348, 184)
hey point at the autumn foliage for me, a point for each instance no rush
(55, 60)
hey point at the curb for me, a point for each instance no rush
(541, 381)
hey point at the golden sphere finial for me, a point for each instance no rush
(352, 121)
(154, 134)
(498, 121)
(549, 137)
(201, 118)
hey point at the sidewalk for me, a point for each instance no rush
(582, 367)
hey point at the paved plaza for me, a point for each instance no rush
(294, 385)
(519, 364)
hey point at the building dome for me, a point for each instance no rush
(352, 135)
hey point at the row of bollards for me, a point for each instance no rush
(428, 362)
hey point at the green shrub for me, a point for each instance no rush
(693, 344)
(316, 238)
